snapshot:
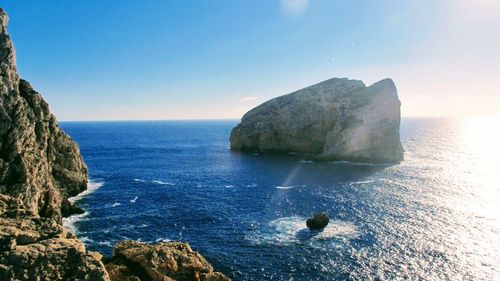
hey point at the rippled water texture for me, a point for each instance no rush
(435, 216)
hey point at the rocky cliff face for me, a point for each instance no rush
(39, 163)
(336, 119)
(40, 168)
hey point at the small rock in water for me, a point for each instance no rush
(318, 221)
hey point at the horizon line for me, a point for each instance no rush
(239, 119)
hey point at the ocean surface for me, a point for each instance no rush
(434, 217)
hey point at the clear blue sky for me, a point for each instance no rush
(103, 60)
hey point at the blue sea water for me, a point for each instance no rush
(434, 217)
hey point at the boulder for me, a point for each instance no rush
(318, 221)
(134, 260)
(337, 119)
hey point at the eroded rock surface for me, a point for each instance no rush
(40, 168)
(39, 248)
(164, 261)
(336, 119)
(39, 163)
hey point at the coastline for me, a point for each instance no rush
(42, 174)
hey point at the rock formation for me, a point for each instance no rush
(39, 163)
(40, 168)
(139, 261)
(337, 119)
(318, 221)
(40, 248)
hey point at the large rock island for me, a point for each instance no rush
(40, 168)
(337, 119)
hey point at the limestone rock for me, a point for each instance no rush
(38, 248)
(337, 119)
(40, 167)
(39, 163)
(163, 261)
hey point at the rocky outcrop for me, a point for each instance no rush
(337, 119)
(40, 169)
(39, 248)
(164, 261)
(318, 221)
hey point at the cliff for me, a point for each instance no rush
(40, 168)
(337, 119)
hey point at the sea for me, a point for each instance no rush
(435, 216)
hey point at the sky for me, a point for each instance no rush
(205, 59)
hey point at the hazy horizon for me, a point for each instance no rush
(100, 61)
(464, 118)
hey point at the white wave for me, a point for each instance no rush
(293, 229)
(252, 185)
(162, 182)
(363, 182)
(115, 204)
(91, 187)
(361, 163)
(134, 200)
(105, 243)
(85, 240)
(386, 180)
(285, 187)
(162, 240)
(228, 186)
(306, 161)
(341, 162)
(139, 180)
(70, 221)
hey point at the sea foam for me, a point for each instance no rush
(363, 182)
(91, 187)
(285, 187)
(70, 221)
(162, 182)
(343, 162)
(289, 230)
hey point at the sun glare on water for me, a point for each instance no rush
(478, 185)
(481, 151)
